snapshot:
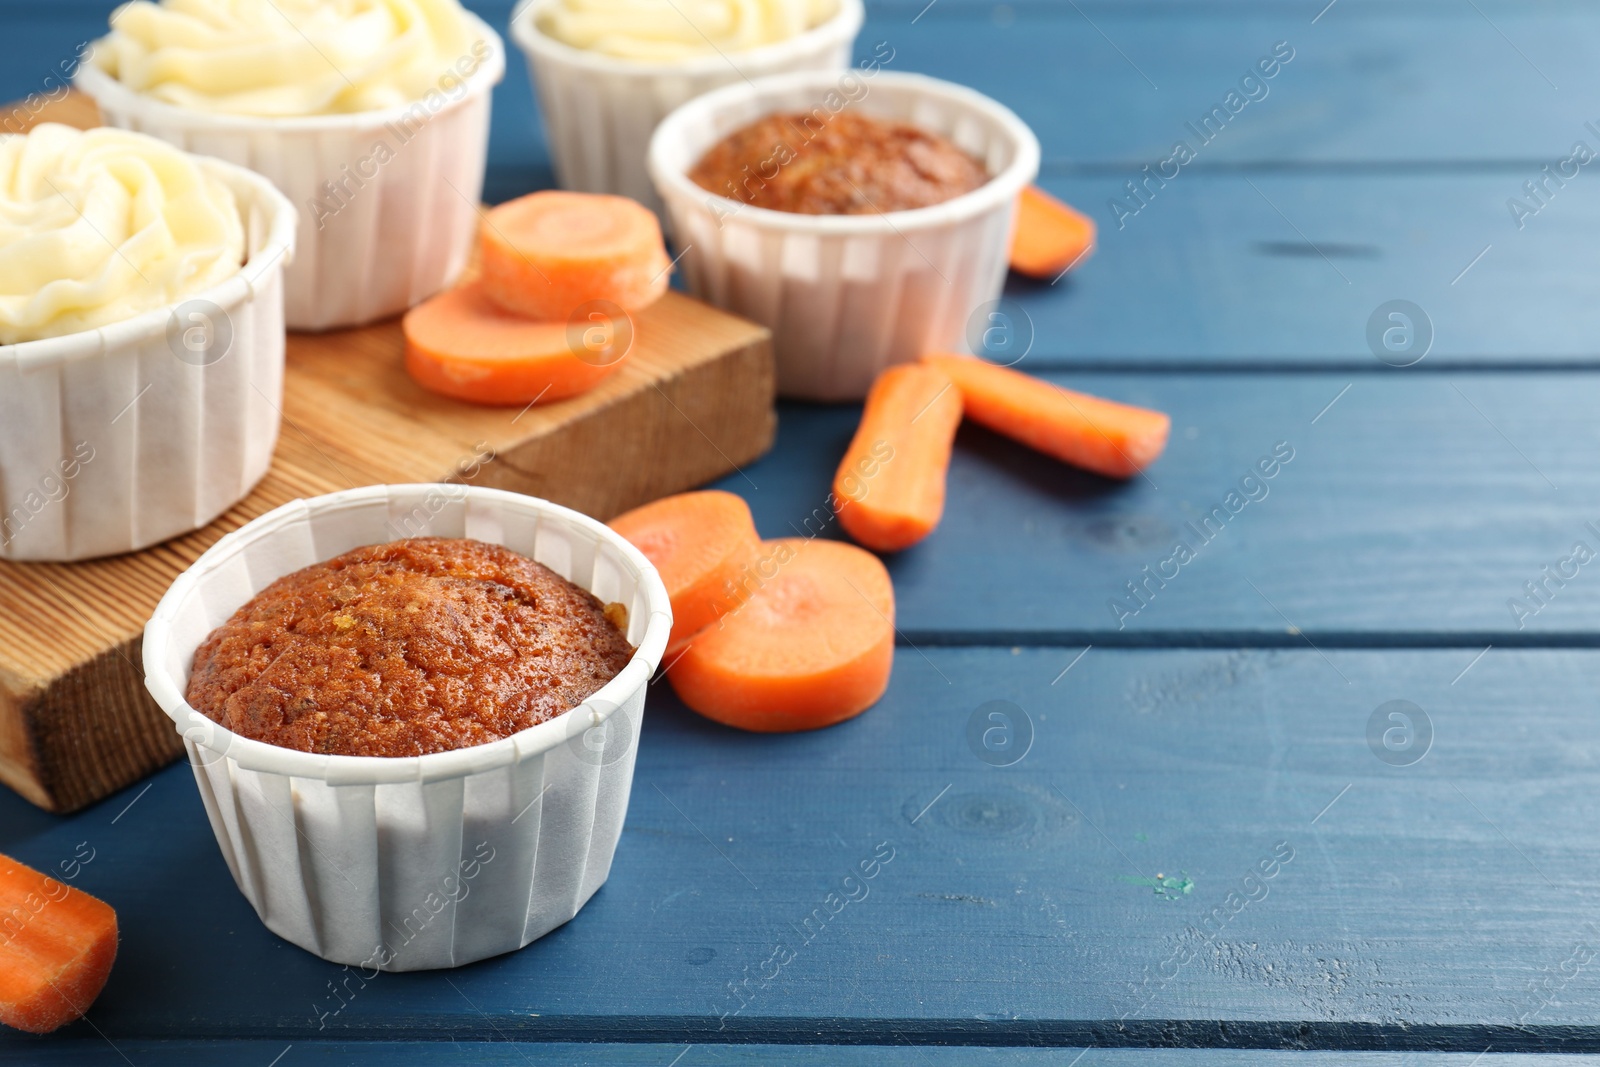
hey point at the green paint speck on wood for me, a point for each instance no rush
(1165, 886)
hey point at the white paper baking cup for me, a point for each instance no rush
(848, 295)
(119, 438)
(381, 229)
(369, 861)
(599, 110)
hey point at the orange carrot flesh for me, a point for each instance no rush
(1050, 235)
(889, 489)
(1117, 440)
(812, 646)
(57, 945)
(463, 345)
(701, 543)
(547, 254)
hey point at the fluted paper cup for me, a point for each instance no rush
(118, 438)
(599, 110)
(388, 199)
(848, 295)
(426, 861)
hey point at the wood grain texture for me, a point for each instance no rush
(693, 402)
(1424, 907)
(93, 1052)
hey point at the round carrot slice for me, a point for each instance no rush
(464, 345)
(57, 945)
(812, 646)
(547, 254)
(703, 544)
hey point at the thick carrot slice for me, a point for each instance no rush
(812, 646)
(889, 490)
(1117, 440)
(462, 344)
(56, 948)
(547, 254)
(702, 543)
(1050, 236)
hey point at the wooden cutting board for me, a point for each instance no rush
(693, 402)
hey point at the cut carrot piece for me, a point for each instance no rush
(1117, 440)
(547, 254)
(1050, 235)
(889, 490)
(812, 646)
(57, 945)
(460, 343)
(702, 543)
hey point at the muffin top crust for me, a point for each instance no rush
(407, 648)
(846, 163)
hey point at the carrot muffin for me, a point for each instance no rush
(407, 648)
(813, 163)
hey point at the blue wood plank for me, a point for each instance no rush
(1289, 269)
(1436, 905)
(1415, 509)
(1369, 82)
(78, 1053)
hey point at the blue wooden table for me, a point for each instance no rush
(1210, 843)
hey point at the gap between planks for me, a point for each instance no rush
(1344, 640)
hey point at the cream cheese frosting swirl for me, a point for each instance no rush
(656, 31)
(101, 226)
(286, 58)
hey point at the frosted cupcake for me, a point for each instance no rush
(141, 339)
(607, 71)
(102, 226)
(372, 116)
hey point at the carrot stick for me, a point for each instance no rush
(1117, 440)
(812, 646)
(702, 543)
(463, 345)
(1050, 235)
(547, 254)
(56, 948)
(889, 490)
